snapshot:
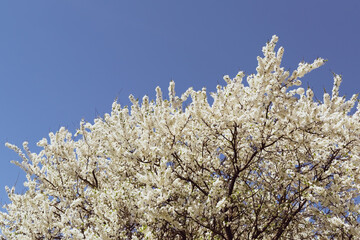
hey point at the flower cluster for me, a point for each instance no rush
(263, 161)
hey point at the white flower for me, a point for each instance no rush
(300, 91)
(221, 204)
(159, 169)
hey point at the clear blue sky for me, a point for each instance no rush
(61, 61)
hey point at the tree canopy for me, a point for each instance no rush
(264, 160)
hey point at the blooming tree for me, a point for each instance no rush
(263, 161)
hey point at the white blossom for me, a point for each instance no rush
(262, 161)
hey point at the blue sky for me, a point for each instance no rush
(61, 61)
